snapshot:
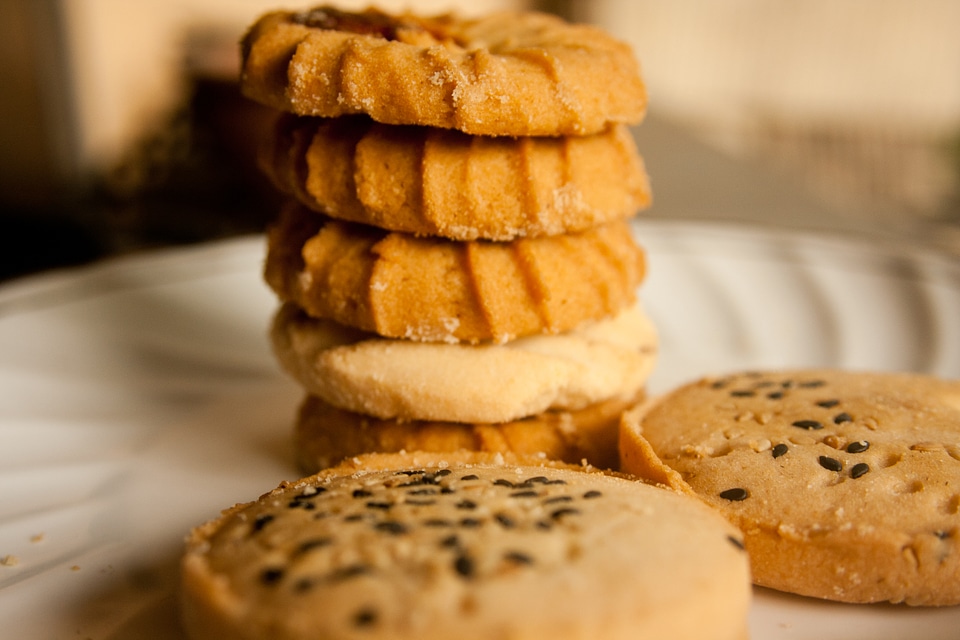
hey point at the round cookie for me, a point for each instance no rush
(441, 182)
(325, 435)
(430, 289)
(490, 383)
(506, 74)
(846, 484)
(470, 547)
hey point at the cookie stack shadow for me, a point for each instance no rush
(462, 275)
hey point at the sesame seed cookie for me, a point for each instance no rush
(471, 547)
(398, 285)
(441, 182)
(506, 74)
(324, 435)
(390, 378)
(846, 484)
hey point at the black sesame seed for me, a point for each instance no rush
(391, 526)
(505, 521)
(779, 450)
(840, 418)
(736, 494)
(812, 384)
(261, 521)
(271, 576)
(349, 571)
(743, 393)
(310, 545)
(775, 395)
(557, 481)
(420, 503)
(470, 523)
(466, 504)
(787, 384)
(361, 493)
(442, 473)
(556, 499)
(943, 535)
(830, 464)
(450, 541)
(736, 542)
(529, 493)
(529, 482)
(302, 585)
(858, 447)
(827, 404)
(859, 469)
(410, 472)
(807, 424)
(429, 491)
(437, 522)
(379, 505)
(470, 476)
(518, 557)
(503, 482)
(593, 493)
(544, 525)
(365, 618)
(719, 384)
(353, 517)
(566, 511)
(464, 565)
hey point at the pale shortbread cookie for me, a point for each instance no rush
(325, 435)
(846, 484)
(440, 182)
(389, 378)
(400, 286)
(405, 547)
(507, 74)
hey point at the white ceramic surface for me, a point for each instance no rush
(138, 397)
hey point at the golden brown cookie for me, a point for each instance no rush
(430, 289)
(325, 435)
(391, 378)
(507, 74)
(845, 484)
(405, 547)
(441, 182)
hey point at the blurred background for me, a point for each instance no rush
(121, 127)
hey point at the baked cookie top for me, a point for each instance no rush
(846, 483)
(418, 546)
(436, 290)
(392, 378)
(506, 74)
(441, 182)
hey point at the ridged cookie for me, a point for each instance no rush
(441, 182)
(468, 547)
(846, 484)
(325, 435)
(400, 286)
(507, 74)
(391, 378)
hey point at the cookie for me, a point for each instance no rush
(846, 484)
(440, 182)
(325, 435)
(401, 286)
(390, 378)
(438, 546)
(506, 74)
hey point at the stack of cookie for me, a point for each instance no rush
(455, 265)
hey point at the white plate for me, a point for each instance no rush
(139, 398)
